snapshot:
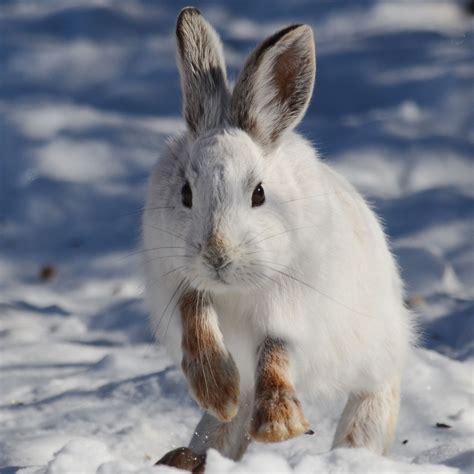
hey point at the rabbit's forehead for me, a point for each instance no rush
(225, 156)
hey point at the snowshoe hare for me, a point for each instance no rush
(268, 275)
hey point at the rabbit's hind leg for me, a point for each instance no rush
(369, 420)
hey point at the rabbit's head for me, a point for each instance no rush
(225, 179)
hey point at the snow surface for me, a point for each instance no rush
(88, 92)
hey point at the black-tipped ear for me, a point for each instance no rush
(275, 85)
(202, 68)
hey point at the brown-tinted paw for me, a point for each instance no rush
(184, 458)
(215, 383)
(278, 416)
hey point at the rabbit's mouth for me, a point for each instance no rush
(220, 279)
(219, 274)
(217, 267)
(217, 277)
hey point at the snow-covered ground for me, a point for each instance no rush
(88, 92)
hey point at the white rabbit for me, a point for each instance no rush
(268, 275)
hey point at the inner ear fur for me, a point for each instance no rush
(275, 85)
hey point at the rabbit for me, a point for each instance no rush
(268, 275)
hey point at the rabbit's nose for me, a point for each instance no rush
(216, 261)
(215, 253)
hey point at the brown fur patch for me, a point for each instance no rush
(216, 250)
(185, 459)
(349, 439)
(284, 70)
(196, 333)
(277, 412)
(216, 243)
(292, 75)
(209, 368)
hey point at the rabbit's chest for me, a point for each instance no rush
(241, 337)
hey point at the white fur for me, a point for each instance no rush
(344, 320)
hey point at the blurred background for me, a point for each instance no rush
(89, 91)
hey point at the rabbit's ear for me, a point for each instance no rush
(202, 67)
(275, 86)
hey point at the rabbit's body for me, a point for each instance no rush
(345, 319)
(300, 290)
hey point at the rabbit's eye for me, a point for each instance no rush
(187, 195)
(258, 196)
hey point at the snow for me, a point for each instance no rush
(88, 93)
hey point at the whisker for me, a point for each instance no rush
(139, 251)
(172, 271)
(256, 236)
(279, 283)
(292, 277)
(285, 232)
(175, 307)
(156, 281)
(199, 306)
(166, 256)
(211, 368)
(169, 302)
(138, 211)
(274, 263)
(311, 196)
(173, 234)
(155, 329)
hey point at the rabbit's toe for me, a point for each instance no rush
(215, 383)
(185, 459)
(278, 417)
